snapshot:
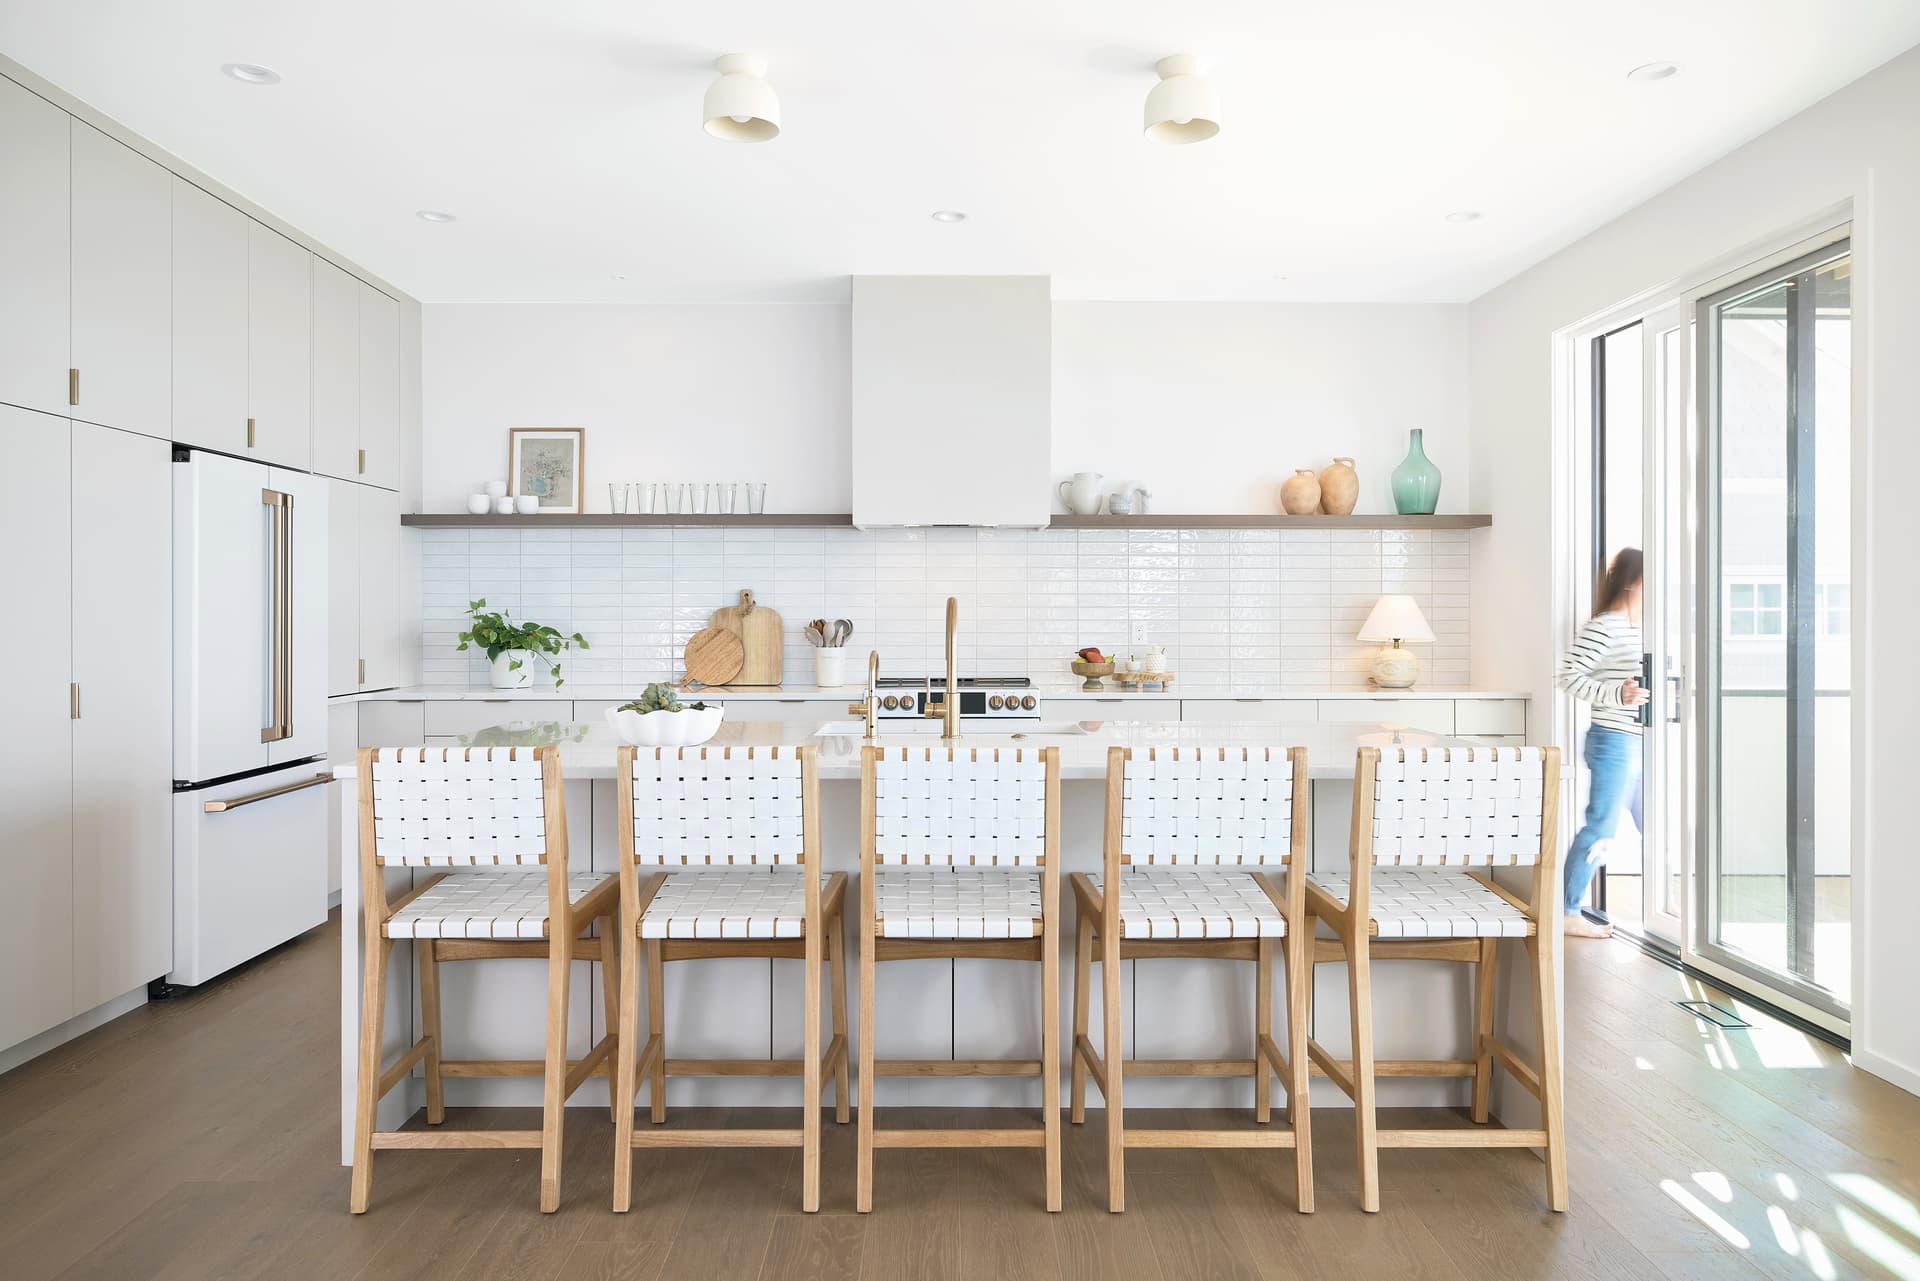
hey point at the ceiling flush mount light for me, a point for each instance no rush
(251, 73)
(1651, 71)
(948, 215)
(1464, 215)
(1184, 106)
(434, 215)
(741, 106)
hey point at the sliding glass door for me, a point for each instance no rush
(1771, 900)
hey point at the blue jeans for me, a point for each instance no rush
(1614, 759)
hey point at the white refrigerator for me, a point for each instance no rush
(249, 710)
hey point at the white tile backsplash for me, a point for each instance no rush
(1233, 607)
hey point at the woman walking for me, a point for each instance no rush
(1603, 668)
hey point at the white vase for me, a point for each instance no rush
(501, 673)
(830, 666)
(1082, 493)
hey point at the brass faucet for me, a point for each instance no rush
(949, 709)
(870, 707)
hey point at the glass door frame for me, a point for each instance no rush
(1700, 951)
(1667, 761)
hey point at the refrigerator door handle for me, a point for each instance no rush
(281, 505)
(221, 807)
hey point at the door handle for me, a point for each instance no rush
(1645, 711)
(1673, 700)
(281, 506)
(252, 798)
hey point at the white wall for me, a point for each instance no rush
(1856, 146)
(729, 392)
(1212, 405)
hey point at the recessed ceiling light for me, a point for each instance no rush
(1652, 71)
(1464, 215)
(434, 215)
(251, 73)
(948, 215)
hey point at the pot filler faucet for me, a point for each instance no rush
(949, 709)
(870, 706)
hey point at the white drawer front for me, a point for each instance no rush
(1432, 715)
(1272, 711)
(1091, 707)
(396, 724)
(1482, 716)
(788, 709)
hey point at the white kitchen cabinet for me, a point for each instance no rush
(36, 819)
(400, 723)
(1093, 707)
(279, 348)
(1490, 717)
(379, 388)
(122, 286)
(379, 551)
(35, 253)
(1266, 711)
(336, 371)
(122, 512)
(343, 587)
(448, 718)
(1434, 715)
(209, 321)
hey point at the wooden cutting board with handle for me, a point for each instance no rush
(762, 640)
(713, 657)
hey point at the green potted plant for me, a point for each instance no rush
(513, 648)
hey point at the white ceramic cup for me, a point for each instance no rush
(496, 489)
(478, 504)
(527, 504)
(503, 505)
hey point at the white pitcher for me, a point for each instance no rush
(1082, 493)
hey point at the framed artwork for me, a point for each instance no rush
(549, 463)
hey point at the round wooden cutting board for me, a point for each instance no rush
(714, 656)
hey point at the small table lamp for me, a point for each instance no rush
(1395, 619)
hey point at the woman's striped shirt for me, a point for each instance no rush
(1604, 655)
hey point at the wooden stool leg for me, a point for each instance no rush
(1050, 1051)
(1483, 997)
(810, 1076)
(1262, 1030)
(553, 1107)
(373, 1013)
(626, 1052)
(610, 994)
(837, 967)
(1299, 961)
(863, 1160)
(1115, 1058)
(429, 964)
(1365, 1123)
(1082, 1000)
(1541, 952)
(657, 1026)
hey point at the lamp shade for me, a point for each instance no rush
(1395, 618)
(1184, 106)
(741, 106)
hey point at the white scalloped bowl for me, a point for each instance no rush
(688, 727)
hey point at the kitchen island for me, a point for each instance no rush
(970, 1009)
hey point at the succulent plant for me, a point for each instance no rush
(660, 697)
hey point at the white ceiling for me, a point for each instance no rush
(565, 134)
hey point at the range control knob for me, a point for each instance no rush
(996, 703)
(1029, 702)
(889, 702)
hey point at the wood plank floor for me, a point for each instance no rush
(197, 1139)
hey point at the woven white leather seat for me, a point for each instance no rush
(1191, 903)
(747, 903)
(1409, 903)
(508, 904)
(957, 903)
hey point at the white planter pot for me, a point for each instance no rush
(502, 675)
(684, 728)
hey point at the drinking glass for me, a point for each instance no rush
(756, 497)
(617, 498)
(725, 495)
(643, 497)
(697, 496)
(673, 493)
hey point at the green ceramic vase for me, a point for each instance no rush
(1416, 481)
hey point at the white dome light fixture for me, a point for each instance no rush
(1184, 106)
(741, 106)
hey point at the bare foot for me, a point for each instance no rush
(1578, 926)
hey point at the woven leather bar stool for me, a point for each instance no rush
(495, 814)
(1421, 816)
(740, 827)
(1190, 833)
(980, 831)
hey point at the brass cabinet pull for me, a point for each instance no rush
(363, 672)
(221, 807)
(73, 386)
(282, 505)
(363, 462)
(73, 701)
(249, 433)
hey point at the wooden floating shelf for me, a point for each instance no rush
(840, 520)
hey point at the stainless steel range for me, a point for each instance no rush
(1000, 698)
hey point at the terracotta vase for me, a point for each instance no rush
(1339, 488)
(1300, 493)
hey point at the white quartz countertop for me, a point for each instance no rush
(588, 750)
(802, 690)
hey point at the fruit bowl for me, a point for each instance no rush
(1093, 672)
(687, 727)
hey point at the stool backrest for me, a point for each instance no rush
(960, 807)
(461, 806)
(1457, 807)
(728, 805)
(1210, 805)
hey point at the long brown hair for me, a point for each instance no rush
(1626, 571)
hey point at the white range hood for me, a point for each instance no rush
(952, 400)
